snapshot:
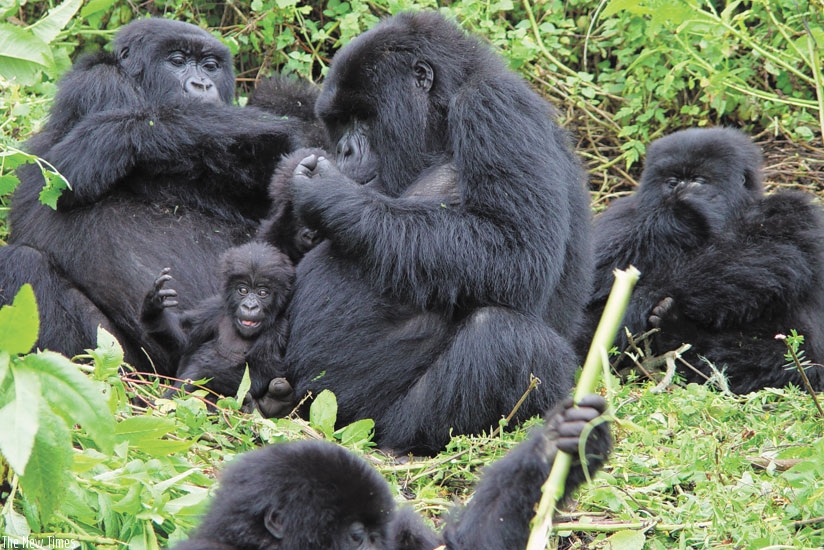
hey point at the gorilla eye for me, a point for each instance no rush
(263, 292)
(671, 182)
(243, 290)
(177, 59)
(211, 65)
(357, 532)
(699, 180)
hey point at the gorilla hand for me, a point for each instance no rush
(159, 297)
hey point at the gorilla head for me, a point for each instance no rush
(298, 496)
(257, 282)
(192, 62)
(701, 177)
(396, 82)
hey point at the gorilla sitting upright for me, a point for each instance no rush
(163, 172)
(424, 314)
(723, 267)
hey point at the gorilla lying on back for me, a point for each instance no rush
(723, 267)
(244, 325)
(429, 315)
(164, 172)
(318, 496)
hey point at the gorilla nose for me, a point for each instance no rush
(202, 90)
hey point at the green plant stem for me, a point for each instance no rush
(614, 527)
(608, 326)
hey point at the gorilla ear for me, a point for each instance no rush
(424, 75)
(273, 523)
(124, 53)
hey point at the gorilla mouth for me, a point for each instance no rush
(247, 323)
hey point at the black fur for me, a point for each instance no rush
(243, 325)
(723, 267)
(283, 228)
(314, 495)
(429, 315)
(164, 171)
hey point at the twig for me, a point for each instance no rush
(802, 372)
(534, 381)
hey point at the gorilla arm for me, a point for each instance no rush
(770, 260)
(104, 128)
(429, 251)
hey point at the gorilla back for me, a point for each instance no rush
(164, 172)
(430, 315)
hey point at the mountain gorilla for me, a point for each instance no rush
(244, 325)
(313, 495)
(723, 267)
(164, 172)
(287, 231)
(283, 227)
(422, 314)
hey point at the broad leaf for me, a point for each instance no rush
(19, 419)
(49, 467)
(19, 323)
(323, 412)
(75, 397)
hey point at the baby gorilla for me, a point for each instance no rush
(723, 266)
(286, 230)
(313, 495)
(224, 333)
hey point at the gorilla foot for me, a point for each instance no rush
(278, 400)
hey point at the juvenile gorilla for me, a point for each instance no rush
(287, 231)
(723, 267)
(244, 325)
(283, 228)
(318, 496)
(426, 315)
(164, 172)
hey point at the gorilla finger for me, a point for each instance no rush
(594, 401)
(167, 293)
(306, 167)
(581, 414)
(568, 444)
(663, 307)
(572, 429)
(325, 166)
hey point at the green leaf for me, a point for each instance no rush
(147, 432)
(20, 420)
(49, 27)
(627, 540)
(140, 429)
(632, 6)
(49, 468)
(53, 188)
(245, 384)
(323, 412)
(75, 397)
(22, 54)
(7, 183)
(358, 432)
(108, 356)
(19, 323)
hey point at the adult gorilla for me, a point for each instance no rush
(164, 172)
(427, 316)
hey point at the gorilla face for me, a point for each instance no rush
(701, 177)
(194, 66)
